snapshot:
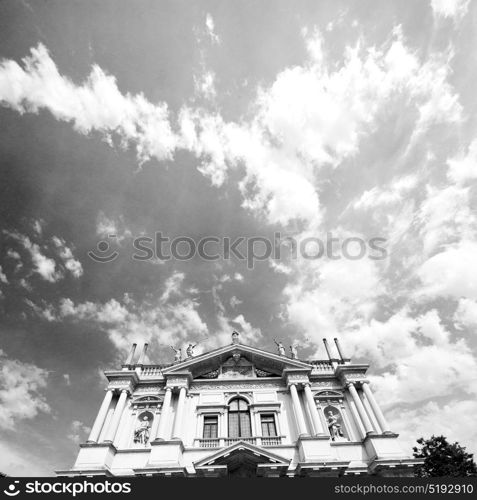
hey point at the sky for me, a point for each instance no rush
(315, 120)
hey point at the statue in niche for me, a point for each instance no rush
(190, 350)
(281, 349)
(142, 431)
(334, 426)
(178, 355)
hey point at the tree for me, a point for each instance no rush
(443, 459)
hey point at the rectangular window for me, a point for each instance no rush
(211, 427)
(268, 425)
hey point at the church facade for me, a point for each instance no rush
(240, 411)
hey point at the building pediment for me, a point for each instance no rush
(236, 361)
(242, 459)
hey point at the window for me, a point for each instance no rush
(211, 424)
(239, 419)
(268, 425)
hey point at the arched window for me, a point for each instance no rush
(239, 419)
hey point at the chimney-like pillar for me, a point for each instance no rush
(142, 357)
(340, 351)
(327, 349)
(129, 360)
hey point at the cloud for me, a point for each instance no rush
(452, 273)
(108, 227)
(44, 266)
(23, 461)
(78, 431)
(463, 168)
(453, 419)
(73, 265)
(171, 318)
(205, 85)
(445, 217)
(466, 314)
(20, 392)
(234, 301)
(454, 9)
(96, 105)
(210, 26)
(3, 277)
(312, 115)
(397, 191)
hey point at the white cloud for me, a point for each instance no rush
(171, 318)
(43, 265)
(327, 295)
(466, 313)
(454, 419)
(452, 273)
(454, 9)
(19, 461)
(463, 168)
(3, 277)
(108, 227)
(20, 392)
(445, 217)
(395, 193)
(311, 115)
(205, 85)
(210, 26)
(78, 432)
(96, 105)
(73, 265)
(234, 301)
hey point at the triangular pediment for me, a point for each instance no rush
(236, 361)
(241, 452)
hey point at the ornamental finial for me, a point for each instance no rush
(235, 337)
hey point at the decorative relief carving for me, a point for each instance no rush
(177, 382)
(212, 374)
(231, 386)
(119, 381)
(263, 373)
(121, 384)
(326, 383)
(146, 389)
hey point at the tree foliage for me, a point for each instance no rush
(443, 459)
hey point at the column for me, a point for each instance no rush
(176, 431)
(361, 410)
(300, 419)
(118, 411)
(313, 411)
(166, 406)
(155, 424)
(376, 409)
(98, 423)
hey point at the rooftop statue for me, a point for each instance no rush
(178, 355)
(281, 349)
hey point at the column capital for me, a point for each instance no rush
(178, 380)
(296, 376)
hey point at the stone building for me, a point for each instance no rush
(240, 411)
